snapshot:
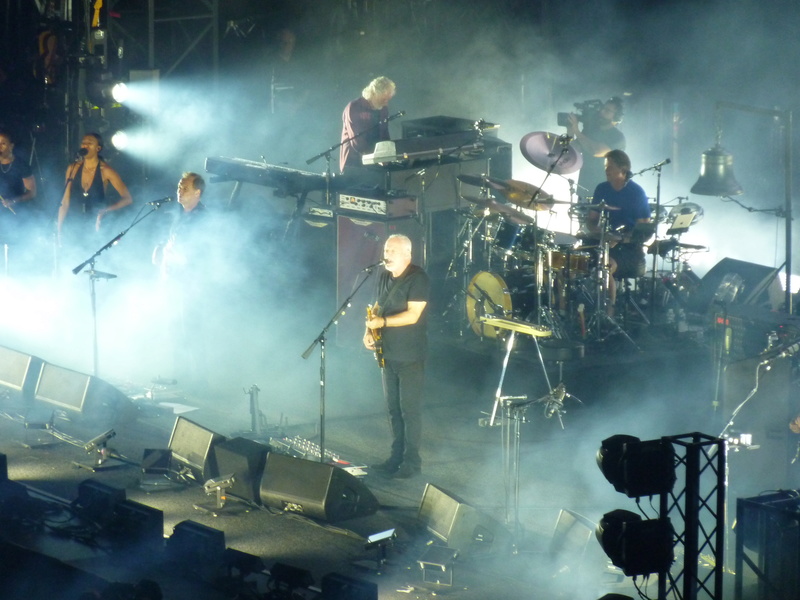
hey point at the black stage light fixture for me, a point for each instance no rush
(615, 597)
(637, 468)
(637, 546)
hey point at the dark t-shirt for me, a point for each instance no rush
(11, 184)
(408, 343)
(358, 117)
(593, 170)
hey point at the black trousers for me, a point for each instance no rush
(402, 386)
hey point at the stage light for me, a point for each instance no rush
(120, 140)
(103, 90)
(637, 546)
(637, 468)
(119, 92)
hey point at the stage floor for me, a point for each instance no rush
(662, 386)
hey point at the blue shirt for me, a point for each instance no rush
(631, 200)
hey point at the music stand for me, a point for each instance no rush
(681, 223)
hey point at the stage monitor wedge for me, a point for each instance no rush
(190, 446)
(19, 372)
(314, 489)
(79, 394)
(245, 459)
(459, 525)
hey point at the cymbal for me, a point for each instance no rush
(585, 208)
(522, 194)
(476, 180)
(506, 210)
(550, 152)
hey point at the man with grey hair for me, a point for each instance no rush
(365, 122)
(398, 322)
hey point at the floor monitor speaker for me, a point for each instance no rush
(460, 525)
(314, 489)
(246, 460)
(19, 372)
(79, 394)
(190, 445)
(734, 282)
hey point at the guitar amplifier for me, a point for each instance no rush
(381, 207)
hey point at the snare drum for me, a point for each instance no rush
(490, 294)
(577, 263)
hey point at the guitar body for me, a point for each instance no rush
(373, 311)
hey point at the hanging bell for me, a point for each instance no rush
(716, 174)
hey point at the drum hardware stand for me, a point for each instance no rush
(321, 340)
(465, 254)
(513, 410)
(600, 315)
(657, 168)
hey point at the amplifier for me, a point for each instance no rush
(384, 207)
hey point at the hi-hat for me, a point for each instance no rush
(550, 152)
(508, 212)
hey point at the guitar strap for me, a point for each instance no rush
(382, 302)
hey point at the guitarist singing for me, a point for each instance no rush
(401, 319)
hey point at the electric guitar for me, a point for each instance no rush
(372, 311)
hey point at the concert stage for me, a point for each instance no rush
(664, 387)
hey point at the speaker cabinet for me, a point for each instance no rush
(734, 282)
(459, 525)
(314, 489)
(19, 372)
(79, 394)
(245, 459)
(190, 445)
(360, 244)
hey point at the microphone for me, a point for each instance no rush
(81, 153)
(666, 161)
(371, 267)
(398, 114)
(566, 138)
(785, 353)
(161, 201)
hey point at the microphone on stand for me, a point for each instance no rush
(161, 201)
(81, 153)
(371, 267)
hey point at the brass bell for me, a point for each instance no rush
(716, 174)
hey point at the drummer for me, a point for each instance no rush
(628, 206)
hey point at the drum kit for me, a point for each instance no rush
(510, 267)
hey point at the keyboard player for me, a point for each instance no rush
(364, 123)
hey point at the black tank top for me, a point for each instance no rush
(91, 200)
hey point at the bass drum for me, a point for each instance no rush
(490, 294)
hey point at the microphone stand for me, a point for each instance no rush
(95, 275)
(657, 168)
(321, 340)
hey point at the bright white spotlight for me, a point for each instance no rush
(119, 92)
(120, 140)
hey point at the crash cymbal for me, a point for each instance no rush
(550, 152)
(476, 180)
(508, 211)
